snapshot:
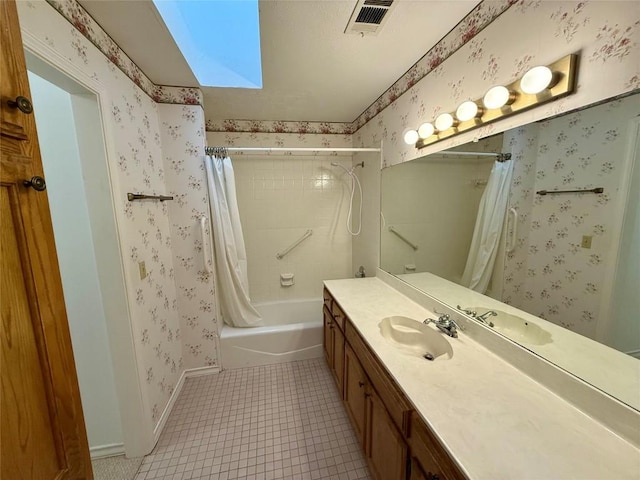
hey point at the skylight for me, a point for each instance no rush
(220, 39)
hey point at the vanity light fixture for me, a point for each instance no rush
(445, 121)
(468, 110)
(536, 80)
(498, 97)
(539, 85)
(426, 130)
(411, 137)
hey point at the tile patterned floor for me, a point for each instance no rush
(115, 468)
(272, 422)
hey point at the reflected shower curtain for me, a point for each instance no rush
(230, 253)
(489, 222)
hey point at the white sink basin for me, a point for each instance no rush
(516, 328)
(415, 338)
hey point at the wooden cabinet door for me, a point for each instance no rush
(355, 385)
(385, 449)
(338, 359)
(42, 427)
(327, 337)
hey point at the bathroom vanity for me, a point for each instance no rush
(464, 413)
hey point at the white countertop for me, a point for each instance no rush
(496, 422)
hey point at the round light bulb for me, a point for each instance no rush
(444, 121)
(426, 130)
(410, 137)
(467, 111)
(536, 80)
(497, 97)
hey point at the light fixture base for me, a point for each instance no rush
(565, 69)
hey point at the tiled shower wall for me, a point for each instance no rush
(549, 274)
(280, 197)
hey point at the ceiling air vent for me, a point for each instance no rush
(369, 16)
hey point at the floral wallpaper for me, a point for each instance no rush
(531, 32)
(75, 14)
(259, 126)
(183, 141)
(145, 227)
(549, 274)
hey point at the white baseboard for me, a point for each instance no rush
(103, 451)
(188, 373)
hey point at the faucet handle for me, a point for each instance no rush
(444, 317)
(455, 324)
(467, 311)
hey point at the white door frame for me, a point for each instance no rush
(137, 428)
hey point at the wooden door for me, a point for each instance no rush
(385, 449)
(355, 384)
(42, 427)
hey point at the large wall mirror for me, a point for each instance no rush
(559, 268)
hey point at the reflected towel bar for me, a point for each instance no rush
(306, 235)
(403, 238)
(140, 196)
(553, 192)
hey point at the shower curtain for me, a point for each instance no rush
(230, 253)
(488, 228)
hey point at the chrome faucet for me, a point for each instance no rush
(445, 324)
(485, 315)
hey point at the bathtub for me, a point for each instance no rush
(292, 331)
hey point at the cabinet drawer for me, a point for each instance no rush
(338, 315)
(327, 298)
(394, 400)
(429, 453)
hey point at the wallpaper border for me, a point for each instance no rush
(84, 23)
(471, 25)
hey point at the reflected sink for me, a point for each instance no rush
(516, 328)
(415, 338)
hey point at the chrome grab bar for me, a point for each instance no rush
(306, 235)
(514, 230)
(205, 246)
(402, 237)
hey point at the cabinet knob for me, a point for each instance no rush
(21, 103)
(361, 384)
(37, 183)
(432, 476)
(367, 395)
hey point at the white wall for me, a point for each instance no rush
(75, 247)
(366, 246)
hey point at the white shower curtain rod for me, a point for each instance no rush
(210, 150)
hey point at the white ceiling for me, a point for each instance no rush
(312, 71)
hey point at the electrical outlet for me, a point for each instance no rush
(143, 270)
(586, 241)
